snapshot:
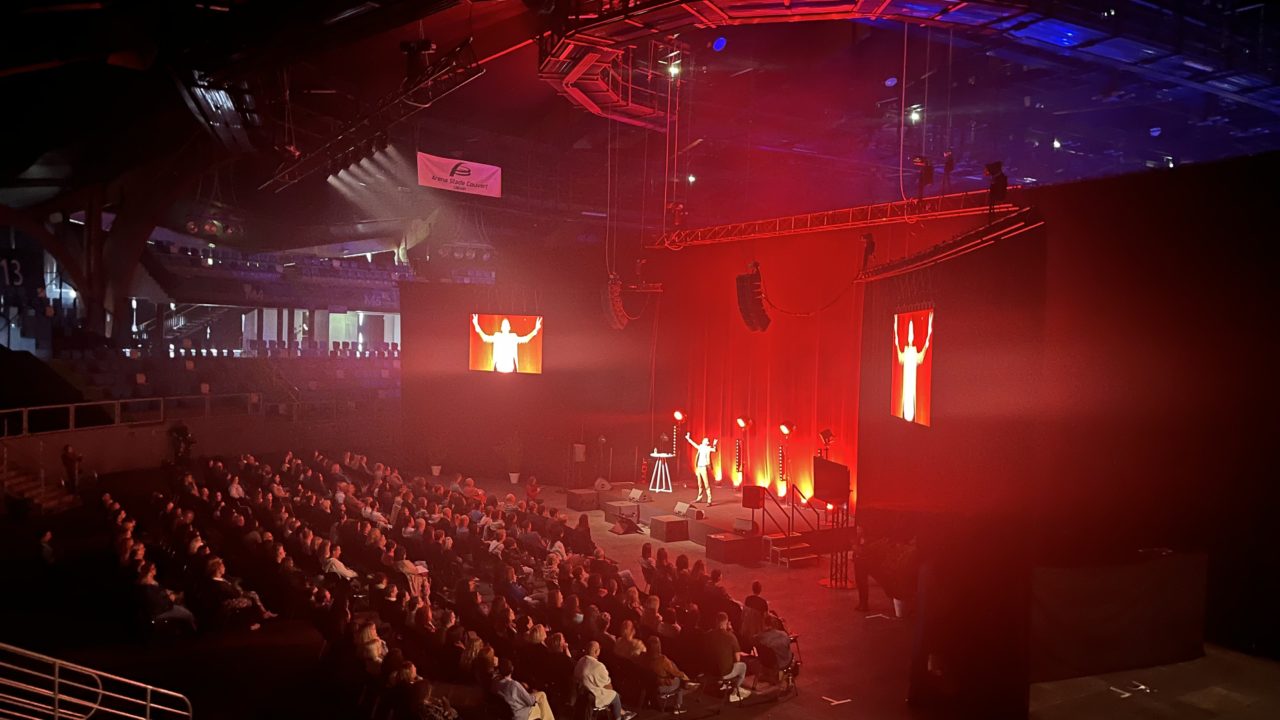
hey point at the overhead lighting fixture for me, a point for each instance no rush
(1057, 144)
(692, 178)
(890, 81)
(674, 69)
(787, 428)
(743, 422)
(826, 436)
(719, 44)
(915, 114)
(678, 415)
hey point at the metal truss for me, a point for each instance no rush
(1020, 221)
(450, 72)
(937, 207)
(1230, 55)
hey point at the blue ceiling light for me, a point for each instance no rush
(1155, 132)
(719, 44)
(890, 81)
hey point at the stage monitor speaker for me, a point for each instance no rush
(751, 300)
(687, 510)
(753, 497)
(638, 496)
(603, 485)
(830, 481)
(744, 526)
(624, 526)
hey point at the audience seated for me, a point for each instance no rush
(395, 571)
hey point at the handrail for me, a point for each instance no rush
(795, 492)
(43, 685)
(65, 417)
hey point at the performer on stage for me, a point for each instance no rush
(705, 448)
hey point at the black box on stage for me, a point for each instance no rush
(830, 481)
(615, 509)
(732, 548)
(668, 528)
(583, 499)
(753, 497)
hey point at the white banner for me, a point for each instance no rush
(459, 175)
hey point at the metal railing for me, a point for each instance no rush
(35, 686)
(20, 422)
(44, 419)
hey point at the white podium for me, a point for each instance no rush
(660, 479)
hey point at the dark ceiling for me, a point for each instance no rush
(787, 118)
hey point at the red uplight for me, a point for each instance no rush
(678, 415)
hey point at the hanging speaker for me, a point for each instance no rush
(751, 299)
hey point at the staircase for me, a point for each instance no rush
(38, 686)
(186, 320)
(46, 496)
(789, 550)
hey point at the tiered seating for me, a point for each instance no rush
(387, 569)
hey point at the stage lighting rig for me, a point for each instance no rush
(826, 436)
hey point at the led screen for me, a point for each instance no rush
(506, 343)
(912, 366)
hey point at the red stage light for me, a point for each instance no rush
(787, 428)
(743, 422)
(830, 506)
(679, 416)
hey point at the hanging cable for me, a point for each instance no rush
(809, 313)
(902, 115)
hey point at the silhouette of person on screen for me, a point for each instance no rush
(505, 343)
(910, 359)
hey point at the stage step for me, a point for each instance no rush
(800, 561)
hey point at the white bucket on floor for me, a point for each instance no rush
(899, 608)
(435, 470)
(515, 477)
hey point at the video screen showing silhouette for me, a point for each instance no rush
(912, 366)
(506, 343)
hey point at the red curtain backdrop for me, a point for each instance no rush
(803, 369)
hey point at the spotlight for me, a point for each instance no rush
(674, 69)
(719, 44)
(787, 428)
(743, 422)
(1155, 131)
(915, 114)
(1057, 144)
(826, 436)
(678, 415)
(692, 178)
(890, 81)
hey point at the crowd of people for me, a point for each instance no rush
(422, 586)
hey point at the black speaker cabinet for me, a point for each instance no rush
(830, 481)
(753, 496)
